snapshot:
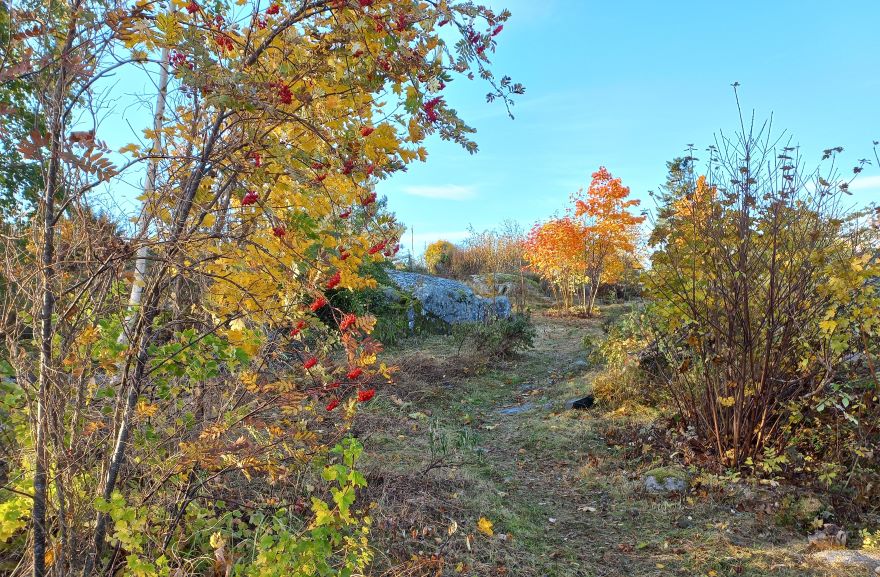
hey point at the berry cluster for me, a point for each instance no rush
(224, 42)
(282, 92)
(347, 322)
(334, 281)
(179, 60)
(369, 199)
(430, 108)
(249, 198)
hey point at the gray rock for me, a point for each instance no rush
(666, 480)
(829, 537)
(517, 409)
(848, 558)
(579, 366)
(523, 408)
(509, 285)
(448, 300)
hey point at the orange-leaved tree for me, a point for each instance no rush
(555, 250)
(611, 231)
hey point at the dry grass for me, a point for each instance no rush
(563, 488)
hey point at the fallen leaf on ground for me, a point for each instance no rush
(485, 527)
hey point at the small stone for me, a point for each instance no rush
(578, 367)
(517, 410)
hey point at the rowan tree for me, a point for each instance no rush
(170, 376)
(555, 250)
(610, 230)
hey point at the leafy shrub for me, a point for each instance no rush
(327, 536)
(839, 431)
(870, 539)
(498, 339)
(736, 273)
(439, 256)
(623, 380)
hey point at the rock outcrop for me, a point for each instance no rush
(451, 301)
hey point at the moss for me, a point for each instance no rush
(663, 473)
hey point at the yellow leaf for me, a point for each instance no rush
(168, 25)
(726, 401)
(145, 409)
(91, 427)
(366, 323)
(484, 526)
(88, 336)
(217, 541)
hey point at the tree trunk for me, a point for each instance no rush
(140, 264)
(47, 308)
(522, 290)
(144, 327)
(594, 290)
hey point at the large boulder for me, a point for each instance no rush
(450, 301)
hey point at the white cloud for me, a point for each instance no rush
(444, 191)
(866, 183)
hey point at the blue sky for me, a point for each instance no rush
(628, 85)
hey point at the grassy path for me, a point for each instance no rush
(450, 443)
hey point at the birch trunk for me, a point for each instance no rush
(140, 263)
